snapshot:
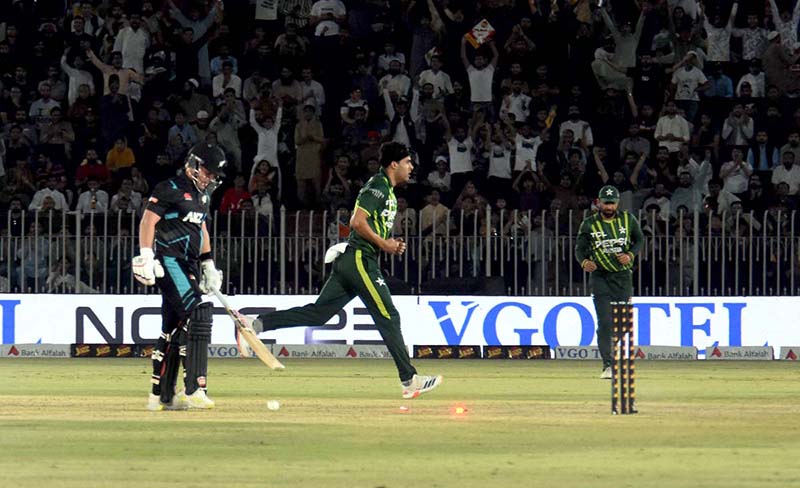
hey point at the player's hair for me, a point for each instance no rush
(392, 151)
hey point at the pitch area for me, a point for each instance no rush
(82, 423)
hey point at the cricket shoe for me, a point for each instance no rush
(179, 402)
(606, 374)
(197, 400)
(418, 385)
(154, 403)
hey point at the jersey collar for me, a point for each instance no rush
(385, 176)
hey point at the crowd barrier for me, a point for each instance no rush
(487, 252)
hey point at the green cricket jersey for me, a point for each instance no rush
(377, 199)
(601, 240)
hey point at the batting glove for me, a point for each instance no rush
(145, 267)
(211, 279)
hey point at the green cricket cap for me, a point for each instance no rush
(608, 194)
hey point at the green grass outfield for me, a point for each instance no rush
(82, 423)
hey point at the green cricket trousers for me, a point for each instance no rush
(355, 273)
(606, 288)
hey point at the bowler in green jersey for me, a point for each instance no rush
(356, 271)
(607, 245)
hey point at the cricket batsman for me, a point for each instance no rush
(607, 245)
(356, 271)
(175, 253)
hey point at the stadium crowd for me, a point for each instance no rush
(684, 105)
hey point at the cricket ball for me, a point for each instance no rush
(273, 405)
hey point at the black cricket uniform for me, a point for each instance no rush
(178, 240)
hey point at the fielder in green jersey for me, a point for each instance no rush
(607, 245)
(356, 271)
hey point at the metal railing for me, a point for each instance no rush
(519, 253)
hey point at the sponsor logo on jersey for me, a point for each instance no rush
(187, 197)
(194, 217)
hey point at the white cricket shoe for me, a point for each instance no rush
(154, 403)
(421, 384)
(179, 402)
(606, 374)
(198, 399)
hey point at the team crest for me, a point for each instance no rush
(204, 198)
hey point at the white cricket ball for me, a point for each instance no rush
(273, 405)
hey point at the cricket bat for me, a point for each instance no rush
(249, 336)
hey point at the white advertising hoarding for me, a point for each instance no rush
(436, 320)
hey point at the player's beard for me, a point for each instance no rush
(609, 214)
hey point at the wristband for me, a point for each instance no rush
(206, 256)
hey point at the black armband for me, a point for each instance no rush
(206, 256)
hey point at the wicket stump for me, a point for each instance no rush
(623, 373)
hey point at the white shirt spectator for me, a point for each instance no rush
(690, 166)
(321, 9)
(77, 77)
(500, 161)
(789, 176)
(313, 92)
(263, 205)
(724, 201)
(99, 197)
(675, 125)
(40, 111)
(438, 181)
(757, 83)
(480, 83)
(580, 128)
(267, 139)
(719, 38)
(218, 85)
(350, 104)
(400, 84)
(442, 84)
(385, 59)
(788, 30)
(526, 150)
(134, 197)
(692, 196)
(754, 42)
(460, 155)
(132, 44)
(60, 202)
(687, 82)
(663, 204)
(517, 104)
(737, 132)
(735, 177)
